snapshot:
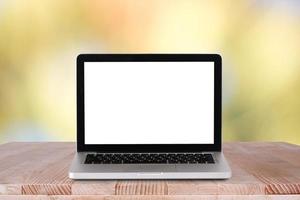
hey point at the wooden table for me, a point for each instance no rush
(261, 170)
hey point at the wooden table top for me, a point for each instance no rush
(258, 168)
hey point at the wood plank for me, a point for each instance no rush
(265, 163)
(45, 171)
(105, 187)
(242, 182)
(150, 197)
(259, 168)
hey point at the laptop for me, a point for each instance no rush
(149, 116)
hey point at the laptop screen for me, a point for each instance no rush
(149, 102)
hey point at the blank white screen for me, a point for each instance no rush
(149, 102)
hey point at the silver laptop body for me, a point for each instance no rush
(149, 116)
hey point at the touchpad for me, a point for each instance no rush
(157, 168)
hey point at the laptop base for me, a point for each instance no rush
(218, 170)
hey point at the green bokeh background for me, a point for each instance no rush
(258, 40)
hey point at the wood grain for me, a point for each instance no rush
(261, 169)
(151, 197)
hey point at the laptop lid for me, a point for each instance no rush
(149, 102)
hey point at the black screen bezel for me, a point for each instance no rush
(216, 146)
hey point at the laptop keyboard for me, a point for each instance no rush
(152, 158)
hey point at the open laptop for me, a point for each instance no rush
(149, 116)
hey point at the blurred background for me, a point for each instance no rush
(259, 41)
